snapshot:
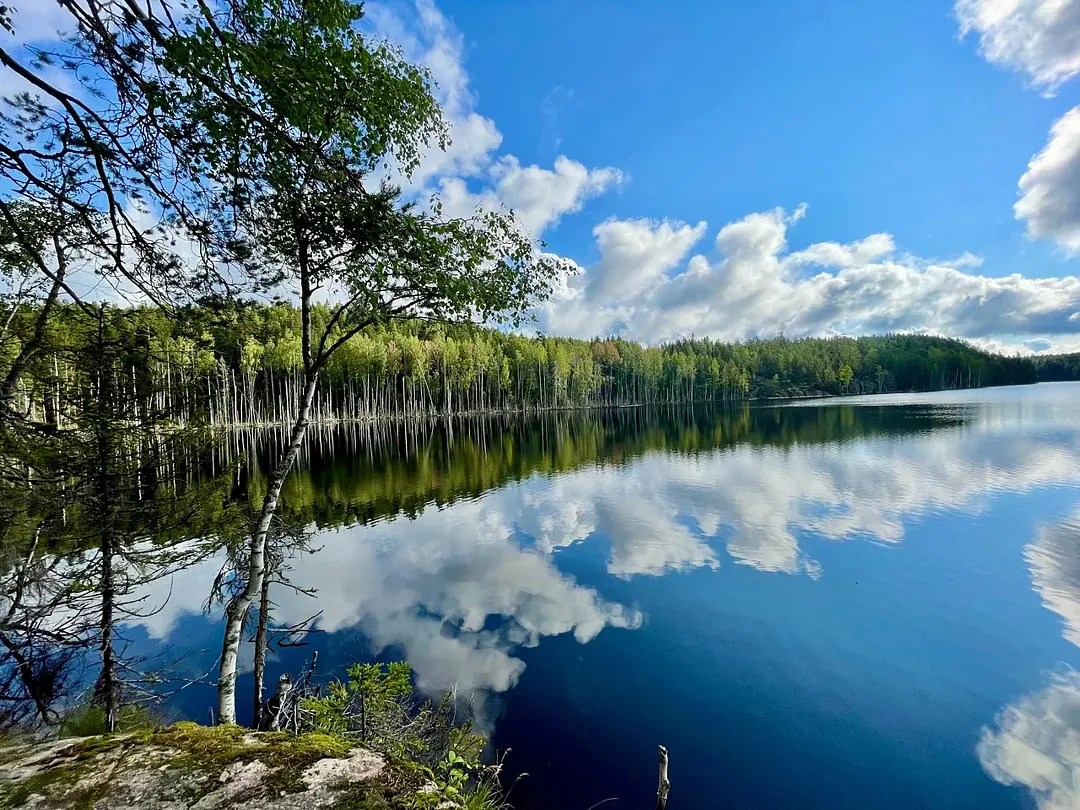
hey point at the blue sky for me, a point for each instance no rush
(875, 114)
(738, 170)
(742, 169)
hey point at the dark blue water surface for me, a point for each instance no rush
(867, 602)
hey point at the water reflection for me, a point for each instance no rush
(1036, 743)
(450, 589)
(1054, 559)
(362, 473)
(666, 513)
(469, 572)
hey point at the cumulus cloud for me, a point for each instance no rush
(1025, 345)
(636, 254)
(831, 254)
(1035, 745)
(965, 259)
(753, 286)
(1040, 38)
(471, 173)
(427, 37)
(540, 197)
(1050, 188)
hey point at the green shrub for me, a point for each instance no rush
(377, 706)
(88, 720)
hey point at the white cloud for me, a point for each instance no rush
(965, 259)
(428, 38)
(831, 254)
(1050, 188)
(1029, 344)
(755, 287)
(1042, 39)
(636, 254)
(38, 21)
(540, 197)
(1037, 744)
(470, 174)
(1038, 37)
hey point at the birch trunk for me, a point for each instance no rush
(238, 607)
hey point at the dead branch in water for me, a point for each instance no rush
(664, 786)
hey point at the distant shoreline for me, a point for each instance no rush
(534, 412)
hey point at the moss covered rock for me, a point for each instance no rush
(192, 767)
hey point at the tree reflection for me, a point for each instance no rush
(441, 540)
(465, 569)
(357, 473)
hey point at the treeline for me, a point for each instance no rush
(230, 365)
(1058, 367)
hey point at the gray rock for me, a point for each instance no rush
(143, 773)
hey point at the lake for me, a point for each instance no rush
(865, 602)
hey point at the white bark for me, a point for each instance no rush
(238, 607)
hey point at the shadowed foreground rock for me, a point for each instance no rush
(190, 767)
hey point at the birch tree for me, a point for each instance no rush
(327, 113)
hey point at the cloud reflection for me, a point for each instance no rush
(1036, 744)
(758, 500)
(1054, 560)
(460, 589)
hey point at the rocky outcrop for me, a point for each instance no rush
(190, 767)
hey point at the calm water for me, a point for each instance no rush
(854, 603)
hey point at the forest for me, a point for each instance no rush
(242, 365)
(1058, 367)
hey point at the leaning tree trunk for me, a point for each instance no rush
(237, 609)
